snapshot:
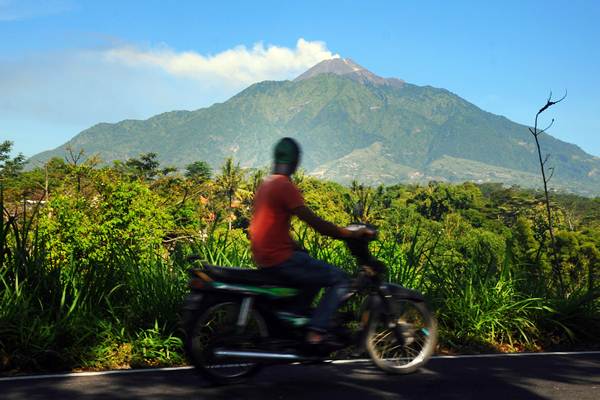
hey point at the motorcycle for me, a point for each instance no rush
(235, 321)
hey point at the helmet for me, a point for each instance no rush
(287, 151)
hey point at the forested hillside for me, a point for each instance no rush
(352, 125)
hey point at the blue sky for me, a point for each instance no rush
(66, 65)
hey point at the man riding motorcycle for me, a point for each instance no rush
(276, 201)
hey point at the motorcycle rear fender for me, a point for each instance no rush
(193, 301)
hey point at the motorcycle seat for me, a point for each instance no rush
(247, 276)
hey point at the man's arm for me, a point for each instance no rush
(320, 225)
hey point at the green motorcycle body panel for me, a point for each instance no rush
(274, 292)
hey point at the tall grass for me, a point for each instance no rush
(228, 248)
(477, 307)
(125, 311)
(57, 318)
(475, 303)
(42, 311)
(577, 316)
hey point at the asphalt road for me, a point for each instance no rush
(506, 378)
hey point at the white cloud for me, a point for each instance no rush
(239, 65)
(77, 89)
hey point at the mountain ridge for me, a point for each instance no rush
(335, 110)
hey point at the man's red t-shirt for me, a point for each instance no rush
(270, 237)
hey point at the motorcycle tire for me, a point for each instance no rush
(213, 327)
(402, 342)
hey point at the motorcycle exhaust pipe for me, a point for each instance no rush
(259, 355)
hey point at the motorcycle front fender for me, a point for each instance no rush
(370, 309)
(391, 291)
(372, 305)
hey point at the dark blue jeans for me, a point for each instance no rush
(310, 275)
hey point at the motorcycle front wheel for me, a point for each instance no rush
(404, 340)
(215, 327)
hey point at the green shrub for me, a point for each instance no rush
(153, 348)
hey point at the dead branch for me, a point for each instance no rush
(546, 159)
(551, 174)
(73, 158)
(536, 132)
(550, 103)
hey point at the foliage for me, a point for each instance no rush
(116, 220)
(436, 200)
(153, 349)
(198, 171)
(10, 168)
(93, 260)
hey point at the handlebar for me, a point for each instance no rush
(357, 226)
(360, 249)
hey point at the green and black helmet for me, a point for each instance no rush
(287, 152)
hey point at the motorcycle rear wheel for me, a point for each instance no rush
(404, 341)
(215, 327)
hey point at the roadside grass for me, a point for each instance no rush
(99, 316)
(125, 312)
(573, 319)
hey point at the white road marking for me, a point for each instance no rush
(362, 360)
(95, 373)
(556, 353)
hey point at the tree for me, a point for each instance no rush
(228, 183)
(360, 201)
(10, 168)
(437, 199)
(198, 171)
(145, 167)
(257, 177)
(80, 167)
(545, 179)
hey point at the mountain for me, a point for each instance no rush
(352, 124)
(349, 69)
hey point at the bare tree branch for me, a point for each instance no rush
(551, 169)
(535, 132)
(73, 158)
(546, 159)
(178, 238)
(550, 103)
(546, 128)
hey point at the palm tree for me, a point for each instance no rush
(359, 202)
(229, 182)
(256, 179)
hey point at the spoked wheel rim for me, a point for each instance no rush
(404, 341)
(214, 330)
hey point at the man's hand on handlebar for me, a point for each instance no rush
(327, 228)
(360, 233)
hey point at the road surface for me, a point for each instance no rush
(549, 376)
